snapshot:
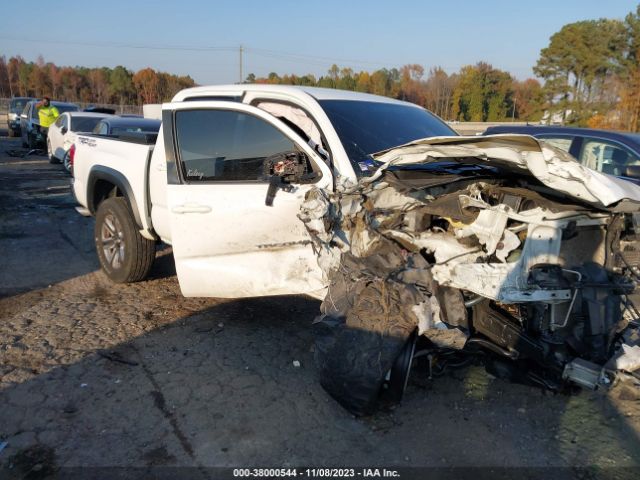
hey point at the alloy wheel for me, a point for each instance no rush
(112, 238)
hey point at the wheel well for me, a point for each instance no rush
(106, 183)
(102, 190)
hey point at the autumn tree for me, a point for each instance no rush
(528, 99)
(147, 85)
(438, 92)
(98, 81)
(411, 88)
(629, 101)
(5, 84)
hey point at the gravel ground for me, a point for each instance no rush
(94, 374)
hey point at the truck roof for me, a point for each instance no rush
(88, 114)
(117, 121)
(238, 90)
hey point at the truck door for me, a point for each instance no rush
(227, 242)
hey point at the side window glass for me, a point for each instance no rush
(100, 129)
(59, 122)
(563, 143)
(222, 145)
(606, 157)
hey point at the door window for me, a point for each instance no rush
(101, 128)
(607, 157)
(59, 121)
(563, 143)
(223, 145)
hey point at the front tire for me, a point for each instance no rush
(355, 354)
(124, 254)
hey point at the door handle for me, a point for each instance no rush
(191, 208)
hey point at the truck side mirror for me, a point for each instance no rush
(284, 169)
(289, 167)
(63, 130)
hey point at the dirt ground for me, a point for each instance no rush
(94, 374)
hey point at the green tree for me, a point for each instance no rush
(121, 85)
(482, 93)
(578, 61)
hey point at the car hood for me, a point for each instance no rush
(553, 167)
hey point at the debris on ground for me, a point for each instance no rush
(117, 357)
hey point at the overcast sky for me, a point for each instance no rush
(202, 38)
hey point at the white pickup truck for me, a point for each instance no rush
(499, 247)
(202, 186)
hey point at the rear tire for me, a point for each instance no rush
(124, 254)
(354, 355)
(66, 161)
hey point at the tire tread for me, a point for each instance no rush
(142, 251)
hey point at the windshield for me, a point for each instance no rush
(365, 128)
(17, 105)
(84, 124)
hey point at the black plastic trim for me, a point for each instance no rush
(100, 172)
(169, 147)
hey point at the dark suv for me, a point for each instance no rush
(607, 151)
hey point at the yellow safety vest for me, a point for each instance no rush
(47, 115)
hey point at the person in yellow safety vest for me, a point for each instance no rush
(47, 113)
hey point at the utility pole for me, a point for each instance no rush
(241, 78)
(513, 114)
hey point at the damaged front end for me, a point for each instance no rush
(499, 245)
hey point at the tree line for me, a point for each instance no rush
(590, 73)
(103, 85)
(477, 93)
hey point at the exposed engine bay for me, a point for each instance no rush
(500, 245)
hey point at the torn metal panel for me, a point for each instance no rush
(553, 167)
(499, 243)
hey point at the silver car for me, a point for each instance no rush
(16, 106)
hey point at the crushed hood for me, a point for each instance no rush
(553, 167)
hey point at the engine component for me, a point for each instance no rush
(583, 373)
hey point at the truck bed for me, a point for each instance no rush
(124, 159)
